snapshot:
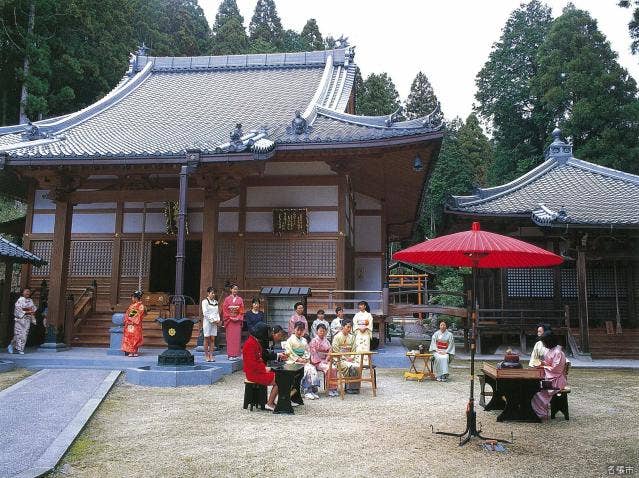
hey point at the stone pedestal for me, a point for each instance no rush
(52, 341)
(116, 332)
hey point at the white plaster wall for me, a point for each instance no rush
(93, 223)
(43, 223)
(228, 222)
(366, 202)
(315, 168)
(291, 196)
(368, 233)
(132, 222)
(196, 221)
(41, 202)
(259, 222)
(368, 276)
(323, 221)
(140, 205)
(233, 202)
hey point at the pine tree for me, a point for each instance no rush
(422, 99)
(378, 96)
(266, 25)
(591, 97)
(358, 88)
(504, 93)
(311, 36)
(229, 35)
(633, 26)
(293, 42)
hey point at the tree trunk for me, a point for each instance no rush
(25, 68)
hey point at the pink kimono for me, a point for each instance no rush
(233, 316)
(297, 318)
(320, 348)
(556, 360)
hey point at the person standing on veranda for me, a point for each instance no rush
(210, 322)
(363, 328)
(24, 316)
(233, 312)
(132, 338)
(336, 323)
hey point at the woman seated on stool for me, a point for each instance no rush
(554, 365)
(320, 348)
(443, 346)
(298, 352)
(255, 368)
(538, 351)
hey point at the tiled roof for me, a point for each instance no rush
(166, 105)
(14, 253)
(559, 192)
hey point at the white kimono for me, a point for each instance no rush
(363, 330)
(211, 317)
(537, 354)
(442, 346)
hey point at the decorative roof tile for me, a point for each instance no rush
(14, 253)
(559, 192)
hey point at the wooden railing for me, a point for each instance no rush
(328, 299)
(85, 304)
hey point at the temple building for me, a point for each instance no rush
(588, 214)
(289, 186)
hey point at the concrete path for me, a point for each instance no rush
(43, 414)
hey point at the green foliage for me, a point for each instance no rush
(229, 35)
(11, 209)
(464, 157)
(504, 95)
(633, 26)
(377, 96)
(585, 90)
(450, 280)
(311, 36)
(421, 100)
(266, 25)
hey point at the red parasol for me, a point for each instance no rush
(476, 248)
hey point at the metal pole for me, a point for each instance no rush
(179, 257)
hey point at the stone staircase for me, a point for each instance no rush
(94, 331)
(604, 346)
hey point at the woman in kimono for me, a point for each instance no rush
(253, 364)
(363, 328)
(538, 351)
(132, 338)
(298, 352)
(298, 316)
(344, 341)
(320, 348)
(442, 345)
(554, 365)
(210, 321)
(233, 312)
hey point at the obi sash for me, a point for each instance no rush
(441, 345)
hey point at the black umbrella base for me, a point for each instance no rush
(175, 357)
(471, 429)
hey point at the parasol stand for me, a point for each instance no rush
(471, 415)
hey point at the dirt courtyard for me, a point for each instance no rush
(203, 431)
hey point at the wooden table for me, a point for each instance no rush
(287, 378)
(518, 386)
(419, 375)
(335, 362)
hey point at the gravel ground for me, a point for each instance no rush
(203, 431)
(14, 376)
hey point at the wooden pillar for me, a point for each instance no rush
(25, 272)
(59, 273)
(209, 243)
(241, 229)
(114, 293)
(5, 312)
(340, 259)
(582, 300)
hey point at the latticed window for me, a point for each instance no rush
(226, 258)
(291, 259)
(568, 283)
(530, 283)
(601, 281)
(130, 259)
(42, 249)
(90, 258)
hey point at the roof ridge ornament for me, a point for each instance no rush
(299, 125)
(433, 119)
(134, 59)
(342, 42)
(394, 117)
(558, 150)
(33, 132)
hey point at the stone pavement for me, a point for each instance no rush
(43, 414)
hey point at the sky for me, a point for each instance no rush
(448, 40)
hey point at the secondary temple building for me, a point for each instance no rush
(290, 187)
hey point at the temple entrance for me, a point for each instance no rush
(162, 274)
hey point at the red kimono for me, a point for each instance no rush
(132, 338)
(254, 366)
(233, 316)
